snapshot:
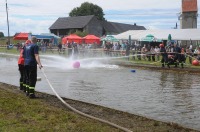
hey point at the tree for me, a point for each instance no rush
(81, 34)
(87, 8)
(1, 34)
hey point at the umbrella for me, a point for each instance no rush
(150, 38)
(169, 39)
(72, 38)
(109, 38)
(89, 39)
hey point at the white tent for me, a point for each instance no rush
(177, 34)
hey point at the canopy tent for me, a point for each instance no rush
(21, 36)
(150, 38)
(54, 38)
(109, 38)
(72, 38)
(90, 39)
(178, 34)
(42, 37)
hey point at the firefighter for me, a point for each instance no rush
(31, 59)
(164, 55)
(21, 66)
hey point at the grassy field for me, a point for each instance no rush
(12, 41)
(21, 114)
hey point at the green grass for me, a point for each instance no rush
(21, 114)
(12, 41)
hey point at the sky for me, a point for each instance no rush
(36, 16)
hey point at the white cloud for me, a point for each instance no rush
(37, 16)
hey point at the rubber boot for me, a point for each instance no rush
(31, 93)
(24, 88)
(163, 65)
(21, 86)
(27, 90)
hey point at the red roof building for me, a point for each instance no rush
(189, 6)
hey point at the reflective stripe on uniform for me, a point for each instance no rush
(31, 87)
(31, 90)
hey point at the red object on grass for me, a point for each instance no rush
(195, 62)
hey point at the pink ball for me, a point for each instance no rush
(76, 64)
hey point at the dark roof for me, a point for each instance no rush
(189, 5)
(120, 27)
(71, 22)
(82, 21)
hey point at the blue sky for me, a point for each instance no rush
(38, 15)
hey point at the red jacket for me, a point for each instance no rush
(21, 58)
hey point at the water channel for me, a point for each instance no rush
(165, 96)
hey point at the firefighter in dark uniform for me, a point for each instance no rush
(31, 59)
(164, 55)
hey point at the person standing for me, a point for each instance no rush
(164, 54)
(198, 53)
(31, 59)
(21, 66)
(128, 48)
(177, 52)
(153, 52)
(182, 57)
(59, 47)
(69, 47)
(144, 51)
(157, 50)
(75, 50)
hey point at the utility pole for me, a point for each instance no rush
(8, 25)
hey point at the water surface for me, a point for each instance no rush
(165, 96)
